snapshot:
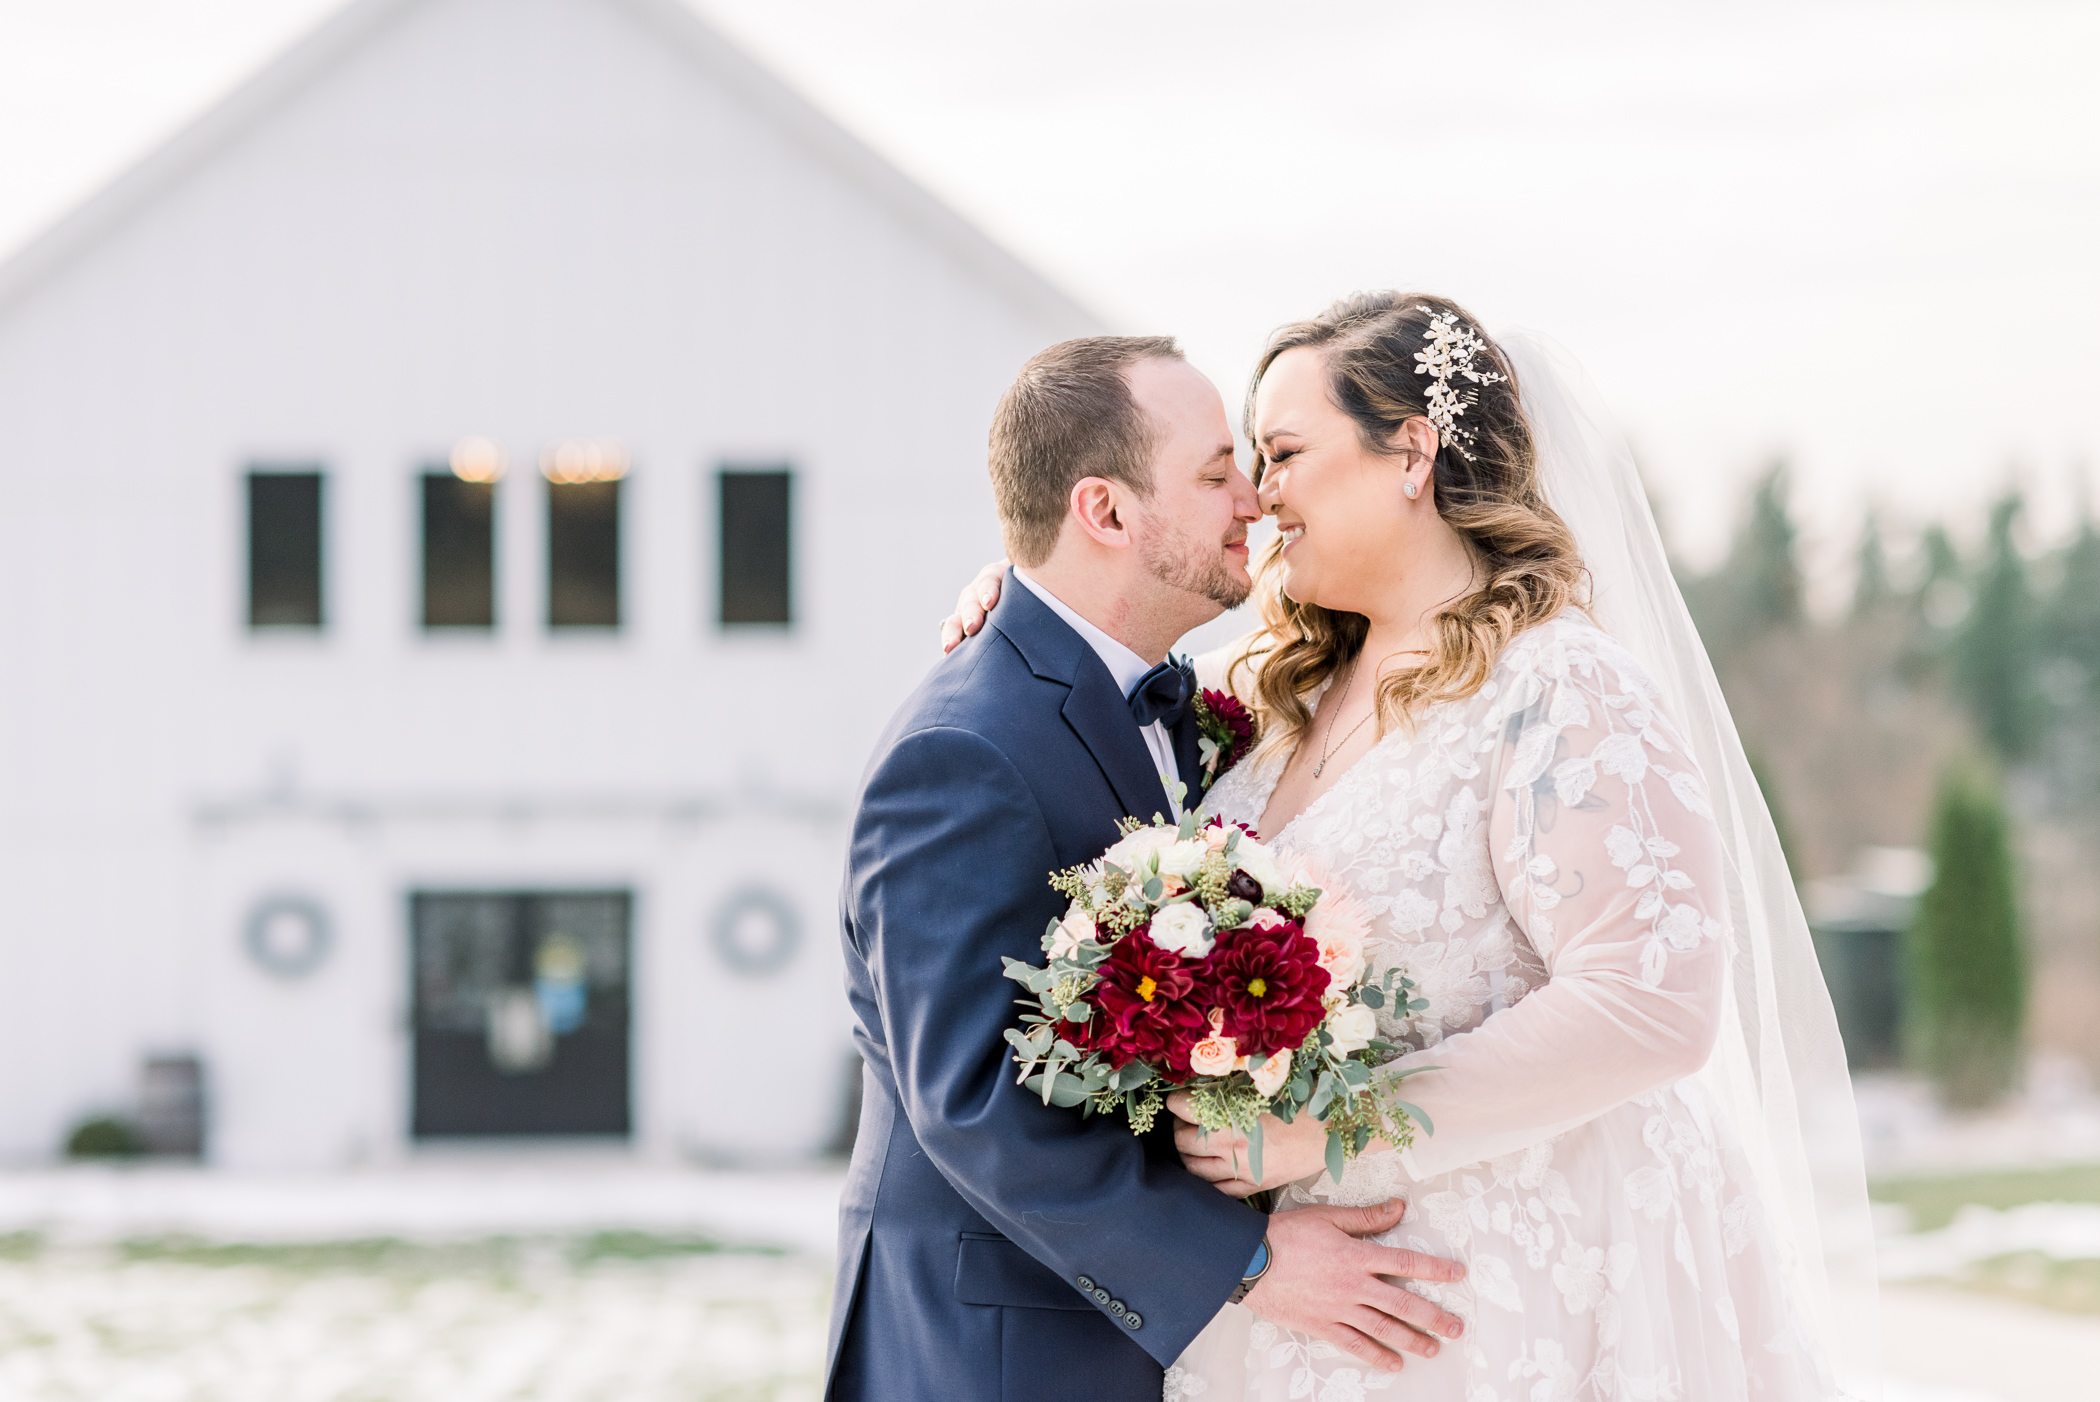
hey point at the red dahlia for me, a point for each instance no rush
(1269, 982)
(1144, 1008)
(1225, 722)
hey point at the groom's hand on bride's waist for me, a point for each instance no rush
(1323, 1281)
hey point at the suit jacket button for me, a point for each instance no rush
(1086, 1285)
(1100, 1296)
(1134, 1320)
(1115, 1307)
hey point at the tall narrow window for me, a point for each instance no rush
(459, 552)
(284, 549)
(757, 539)
(583, 554)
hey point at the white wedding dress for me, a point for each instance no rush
(1542, 860)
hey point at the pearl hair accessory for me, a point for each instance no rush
(1450, 353)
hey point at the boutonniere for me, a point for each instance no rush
(1225, 731)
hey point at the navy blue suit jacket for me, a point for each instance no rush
(990, 1246)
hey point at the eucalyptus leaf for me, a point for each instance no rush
(1418, 1115)
(1337, 1156)
(1370, 997)
(1067, 1094)
(1254, 1150)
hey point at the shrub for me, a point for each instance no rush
(1965, 960)
(104, 1138)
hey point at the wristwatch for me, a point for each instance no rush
(1256, 1269)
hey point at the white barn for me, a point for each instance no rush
(470, 502)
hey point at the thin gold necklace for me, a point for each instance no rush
(1327, 751)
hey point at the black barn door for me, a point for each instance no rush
(521, 1013)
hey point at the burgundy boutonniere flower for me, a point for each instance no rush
(1226, 732)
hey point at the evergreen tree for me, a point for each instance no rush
(1995, 655)
(1965, 962)
(1768, 790)
(2072, 629)
(1765, 562)
(1871, 589)
(1935, 607)
(1758, 586)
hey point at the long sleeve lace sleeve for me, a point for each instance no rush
(1606, 857)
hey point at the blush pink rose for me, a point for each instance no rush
(1214, 1056)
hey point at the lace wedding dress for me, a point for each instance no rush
(1542, 860)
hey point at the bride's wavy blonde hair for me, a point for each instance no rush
(1488, 493)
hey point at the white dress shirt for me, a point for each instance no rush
(1128, 669)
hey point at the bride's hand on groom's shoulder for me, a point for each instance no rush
(1289, 1152)
(972, 605)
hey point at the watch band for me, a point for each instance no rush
(1256, 1269)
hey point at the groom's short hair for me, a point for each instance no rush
(1069, 414)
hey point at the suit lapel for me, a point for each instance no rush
(1096, 709)
(1100, 716)
(1187, 754)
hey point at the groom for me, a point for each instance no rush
(991, 1247)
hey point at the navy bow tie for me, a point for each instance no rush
(1163, 693)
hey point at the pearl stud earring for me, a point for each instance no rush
(1410, 488)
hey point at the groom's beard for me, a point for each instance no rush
(1174, 559)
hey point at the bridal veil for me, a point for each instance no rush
(1778, 1069)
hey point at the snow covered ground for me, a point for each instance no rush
(572, 1324)
(560, 1278)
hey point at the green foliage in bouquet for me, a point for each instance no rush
(1074, 1053)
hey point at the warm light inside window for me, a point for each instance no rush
(476, 460)
(582, 460)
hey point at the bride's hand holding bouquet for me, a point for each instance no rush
(1193, 961)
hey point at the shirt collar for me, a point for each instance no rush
(1124, 665)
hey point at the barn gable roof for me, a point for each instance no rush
(340, 36)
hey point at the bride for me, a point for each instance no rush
(1485, 715)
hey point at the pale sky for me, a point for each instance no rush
(1865, 235)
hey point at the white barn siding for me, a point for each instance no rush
(532, 220)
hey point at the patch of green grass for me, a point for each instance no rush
(1934, 1201)
(2036, 1279)
(19, 1246)
(490, 1256)
(375, 1255)
(646, 1246)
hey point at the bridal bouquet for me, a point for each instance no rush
(1193, 957)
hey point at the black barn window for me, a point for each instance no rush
(459, 552)
(583, 554)
(284, 549)
(756, 546)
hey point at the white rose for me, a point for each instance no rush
(1271, 1074)
(1352, 1029)
(1257, 861)
(1130, 853)
(1183, 929)
(1182, 859)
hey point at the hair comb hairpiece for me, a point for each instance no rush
(1450, 355)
